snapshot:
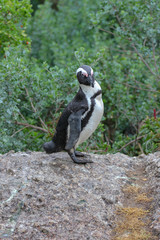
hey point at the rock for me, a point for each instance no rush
(50, 197)
(153, 172)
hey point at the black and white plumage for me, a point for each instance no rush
(80, 118)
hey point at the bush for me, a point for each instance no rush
(119, 39)
(34, 98)
(150, 131)
(130, 31)
(13, 22)
(56, 34)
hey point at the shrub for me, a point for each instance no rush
(31, 98)
(13, 22)
(119, 39)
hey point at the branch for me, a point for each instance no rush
(142, 59)
(140, 147)
(18, 131)
(32, 126)
(143, 89)
(154, 54)
(22, 116)
(75, 54)
(119, 21)
(133, 45)
(131, 142)
(30, 100)
(101, 29)
(34, 109)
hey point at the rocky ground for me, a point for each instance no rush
(49, 197)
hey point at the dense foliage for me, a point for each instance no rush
(13, 19)
(119, 39)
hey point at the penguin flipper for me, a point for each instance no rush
(74, 122)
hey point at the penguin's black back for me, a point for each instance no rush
(60, 136)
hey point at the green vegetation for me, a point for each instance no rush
(13, 20)
(39, 55)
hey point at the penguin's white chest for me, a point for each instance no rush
(94, 120)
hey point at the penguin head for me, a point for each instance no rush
(85, 75)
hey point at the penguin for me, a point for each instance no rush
(80, 118)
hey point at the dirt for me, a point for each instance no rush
(134, 217)
(49, 197)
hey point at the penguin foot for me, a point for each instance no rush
(79, 154)
(78, 161)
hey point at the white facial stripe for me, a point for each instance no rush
(81, 70)
(84, 72)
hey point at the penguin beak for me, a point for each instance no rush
(91, 81)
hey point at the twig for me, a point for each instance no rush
(155, 62)
(133, 23)
(18, 131)
(32, 126)
(131, 142)
(140, 147)
(75, 54)
(60, 104)
(119, 21)
(142, 59)
(146, 85)
(133, 45)
(22, 116)
(101, 29)
(143, 89)
(94, 63)
(34, 109)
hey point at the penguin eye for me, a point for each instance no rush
(84, 74)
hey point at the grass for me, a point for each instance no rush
(133, 219)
